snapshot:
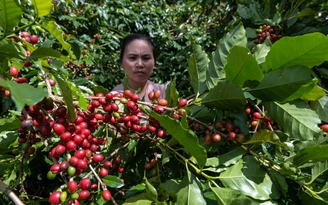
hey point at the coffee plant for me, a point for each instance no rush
(252, 131)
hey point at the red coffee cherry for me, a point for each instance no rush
(106, 195)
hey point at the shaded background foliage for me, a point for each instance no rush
(95, 28)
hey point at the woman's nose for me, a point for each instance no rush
(139, 62)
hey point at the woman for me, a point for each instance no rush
(137, 58)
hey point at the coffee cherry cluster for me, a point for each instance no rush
(266, 31)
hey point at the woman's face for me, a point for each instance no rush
(138, 62)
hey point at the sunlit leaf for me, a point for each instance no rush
(295, 118)
(42, 7)
(24, 94)
(303, 50)
(218, 59)
(243, 69)
(251, 179)
(113, 181)
(186, 137)
(54, 29)
(279, 84)
(190, 191)
(198, 63)
(225, 196)
(321, 107)
(265, 136)
(225, 96)
(311, 155)
(318, 169)
(10, 15)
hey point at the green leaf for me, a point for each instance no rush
(250, 11)
(316, 93)
(295, 118)
(303, 50)
(226, 159)
(202, 113)
(171, 187)
(150, 189)
(309, 199)
(186, 137)
(250, 178)
(225, 96)
(189, 191)
(54, 29)
(166, 154)
(42, 7)
(265, 136)
(304, 13)
(225, 196)
(279, 84)
(198, 63)
(140, 199)
(321, 107)
(11, 50)
(243, 69)
(311, 155)
(9, 123)
(43, 52)
(6, 140)
(113, 181)
(318, 169)
(24, 94)
(10, 15)
(171, 93)
(67, 95)
(261, 51)
(218, 60)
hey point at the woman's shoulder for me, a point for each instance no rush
(157, 86)
(119, 88)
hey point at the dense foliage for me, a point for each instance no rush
(244, 120)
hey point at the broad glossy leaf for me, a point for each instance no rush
(304, 13)
(251, 179)
(8, 123)
(43, 52)
(7, 139)
(67, 95)
(243, 69)
(78, 94)
(261, 51)
(139, 199)
(42, 7)
(321, 107)
(197, 66)
(151, 191)
(225, 96)
(24, 94)
(265, 136)
(240, 121)
(190, 192)
(171, 93)
(318, 169)
(113, 181)
(309, 199)
(311, 155)
(186, 137)
(250, 11)
(295, 118)
(316, 93)
(303, 50)
(225, 196)
(202, 113)
(170, 187)
(10, 49)
(226, 159)
(10, 15)
(279, 84)
(218, 60)
(54, 29)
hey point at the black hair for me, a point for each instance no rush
(136, 36)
